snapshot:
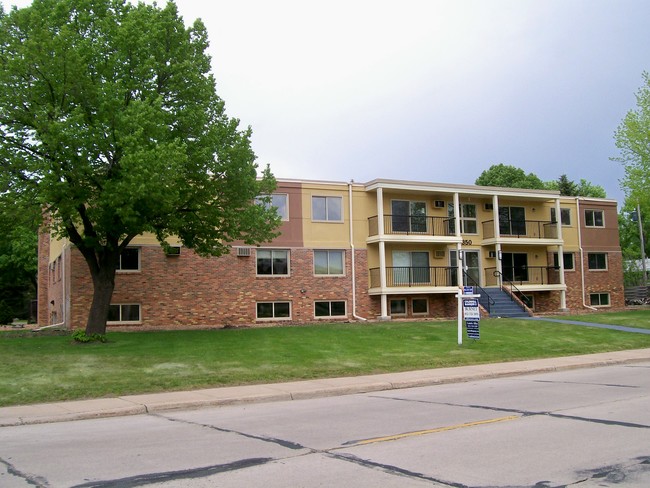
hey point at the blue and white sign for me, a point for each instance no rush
(468, 290)
(470, 309)
(472, 329)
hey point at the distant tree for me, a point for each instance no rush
(632, 138)
(507, 176)
(569, 188)
(18, 258)
(109, 120)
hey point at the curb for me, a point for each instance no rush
(300, 390)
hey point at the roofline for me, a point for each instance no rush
(456, 188)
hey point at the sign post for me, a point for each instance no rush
(468, 307)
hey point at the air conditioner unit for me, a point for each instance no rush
(488, 206)
(439, 204)
(173, 251)
(439, 254)
(492, 254)
(243, 252)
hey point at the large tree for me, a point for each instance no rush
(570, 188)
(507, 176)
(110, 121)
(632, 138)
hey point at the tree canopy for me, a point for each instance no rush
(632, 138)
(110, 121)
(507, 176)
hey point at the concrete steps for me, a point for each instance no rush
(503, 305)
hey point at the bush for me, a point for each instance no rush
(81, 336)
(6, 313)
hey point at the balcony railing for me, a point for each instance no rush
(413, 225)
(525, 275)
(531, 229)
(414, 276)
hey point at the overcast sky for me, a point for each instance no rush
(429, 90)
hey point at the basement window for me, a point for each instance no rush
(124, 313)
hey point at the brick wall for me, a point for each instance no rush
(188, 290)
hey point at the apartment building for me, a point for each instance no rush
(383, 250)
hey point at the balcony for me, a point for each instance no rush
(526, 229)
(418, 225)
(525, 275)
(415, 277)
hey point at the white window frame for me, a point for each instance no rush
(120, 321)
(600, 295)
(272, 274)
(328, 251)
(274, 318)
(451, 213)
(598, 269)
(327, 218)
(426, 300)
(330, 316)
(563, 211)
(119, 269)
(284, 214)
(593, 212)
(557, 258)
(390, 307)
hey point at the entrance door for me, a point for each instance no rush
(473, 268)
(515, 266)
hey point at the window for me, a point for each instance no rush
(599, 299)
(568, 261)
(565, 215)
(129, 259)
(512, 221)
(467, 218)
(398, 306)
(597, 260)
(328, 262)
(272, 262)
(328, 209)
(420, 306)
(408, 216)
(594, 218)
(274, 310)
(411, 267)
(330, 309)
(278, 200)
(124, 313)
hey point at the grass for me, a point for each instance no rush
(630, 318)
(48, 368)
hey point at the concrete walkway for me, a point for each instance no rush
(636, 330)
(296, 390)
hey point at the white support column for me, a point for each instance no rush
(382, 254)
(560, 252)
(497, 236)
(459, 263)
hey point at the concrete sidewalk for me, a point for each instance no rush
(296, 390)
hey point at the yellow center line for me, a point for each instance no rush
(433, 431)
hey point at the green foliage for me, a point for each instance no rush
(6, 313)
(509, 177)
(109, 119)
(570, 188)
(81, 336)
(632, 138)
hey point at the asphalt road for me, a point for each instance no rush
(579, 428)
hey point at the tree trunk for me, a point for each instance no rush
(103, 285)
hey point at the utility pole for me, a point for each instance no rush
(645, 278)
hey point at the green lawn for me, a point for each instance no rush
(630, 318)
(43, 368)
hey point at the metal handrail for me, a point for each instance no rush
(490, 301)
(499, 274)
